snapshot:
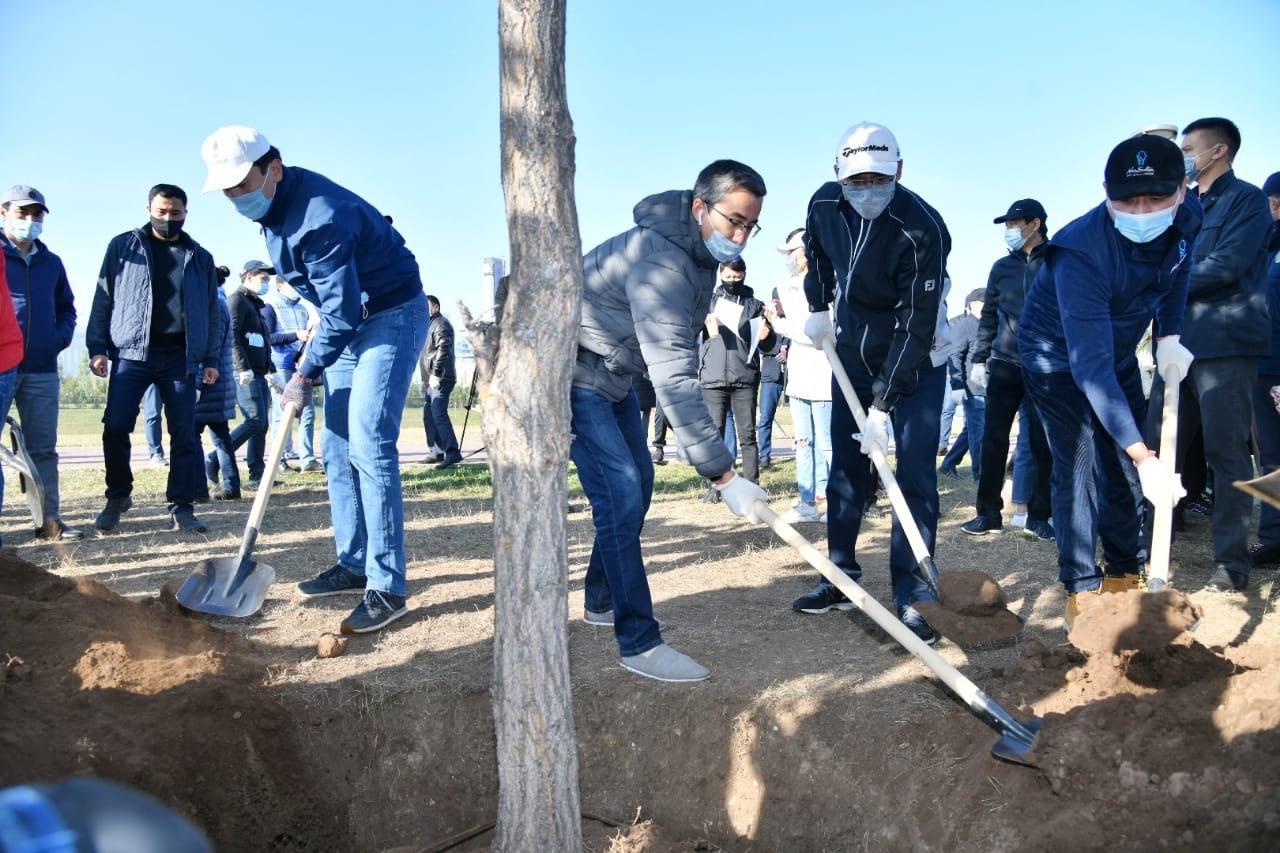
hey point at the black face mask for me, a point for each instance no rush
(167, 228)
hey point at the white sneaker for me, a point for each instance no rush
(1019, 520)
(802, 513)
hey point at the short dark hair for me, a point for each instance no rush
(265, 160)
(793, 232)
(432, 300)
(737, 265)
(1220, 130)
(387, 216)
(167, 191)
(223, 274)
(723, 177)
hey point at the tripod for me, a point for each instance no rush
(471, 401)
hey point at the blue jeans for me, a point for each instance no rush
(770, 395)
(1024, 461)
(916, 419)
(254, 400)
(948, 415)
(365, 391)
(730, 434)
(1094, 489)
(221, 434)
(613, 464)
(306, 421)
(1267, 420)
(35, 395)
(435, 419)
(151, 425)
(176, 387)
(8, 382)
(812, 422)
(970, 439)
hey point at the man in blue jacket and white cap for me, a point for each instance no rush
(1106, 276)
(342, 256)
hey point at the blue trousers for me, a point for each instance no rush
(770, 395)
(435, 419)
(970, 438)
(254, 401)
(35, 395)
(152, 427)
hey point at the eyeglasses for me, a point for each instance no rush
(751, 229)
(868, 180)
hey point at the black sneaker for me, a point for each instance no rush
(450, 460)
(378, 610)
(949, 472)
(333, 581)
(109, 518)
(183, 518)
(921, 628)
(981, 526)
(823, 598)
(1041, 530)
(1264, 555)
(220, 494)
(659, 456)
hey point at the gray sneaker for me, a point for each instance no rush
(604, 619)
(663, 663)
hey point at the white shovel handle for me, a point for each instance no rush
(1162, 523)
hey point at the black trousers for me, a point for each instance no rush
(743, 400)
(1005, 393)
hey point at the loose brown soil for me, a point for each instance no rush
(815, 733)
(974, 611)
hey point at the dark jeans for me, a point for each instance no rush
(743, 401)
(1094, 485)
(970, 438)
(770, 395)
(1222, 389)
(1005, 394)
(254, 400)
(435, 419)
(613, 464)
(1267, 420)
(916, 421)
(221, 435)
(659, 428)
(129, 380)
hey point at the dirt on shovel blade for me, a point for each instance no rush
(973, 612)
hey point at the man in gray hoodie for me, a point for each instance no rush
(646, 293)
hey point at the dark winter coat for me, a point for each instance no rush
(1007, 286)
(250, 337)
(217, 402)
(437, 357)
(44, 304)
(723, 361)
(1271, 366)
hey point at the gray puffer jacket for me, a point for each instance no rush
(645, 296)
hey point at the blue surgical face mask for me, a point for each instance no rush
(871, 200)
(721, 247)
(1143, 227)
(1014, 239)
(1189, 166)
(25, 230)
(253, 204)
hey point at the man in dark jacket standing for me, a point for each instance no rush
(965, 395)
(646, 293)
(878, 252)
(342, 255)
(1228, 329)
(251, 357)
(154, 320)
(439, 376)
(217, 406)
(46, 312)
(1266, 395)
(997, 366)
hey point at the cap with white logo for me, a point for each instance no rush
(867, 147)
(229, 153)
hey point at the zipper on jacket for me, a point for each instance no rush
(862, 349)
(26, 332)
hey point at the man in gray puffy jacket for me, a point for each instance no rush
(645, 296)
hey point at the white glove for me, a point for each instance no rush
(957, 396)
(276, 381)
(1173, 360)
(1159, 482)
(434, 382)
(818, 328)
(875, 432)
(244, 377)
(978, 376)
(432, 391)
(740, 496)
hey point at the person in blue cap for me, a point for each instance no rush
(1106, 276)
(1266, 394)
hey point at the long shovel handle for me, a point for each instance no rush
(260, 500)
(924, 560)
(979, 702)
(1162, 524)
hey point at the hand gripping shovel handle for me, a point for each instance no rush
(1162, 524)
(924, 560)
(979, 702)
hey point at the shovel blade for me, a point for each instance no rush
(1015, 748)
(227, 587)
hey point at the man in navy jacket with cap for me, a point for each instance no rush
(1106, 276)
(1266, 395)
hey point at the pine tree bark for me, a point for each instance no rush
(529, 365)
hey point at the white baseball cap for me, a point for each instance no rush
(795, 241)
(229, 153)
(867, 147)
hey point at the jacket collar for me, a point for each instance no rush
(1225, 180)
(285, 191)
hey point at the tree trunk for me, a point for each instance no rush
(526, 428)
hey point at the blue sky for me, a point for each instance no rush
(399, 101)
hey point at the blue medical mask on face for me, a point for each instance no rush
(1189, 166)
(25, 230)
(870, 200)
(721, 247)
(1143, 227)
(1014, 239)
(253, 204)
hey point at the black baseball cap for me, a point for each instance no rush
(1144, 165)
(1023, 208)
(257, 266)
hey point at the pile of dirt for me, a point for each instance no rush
(94, 684)
(974, 612)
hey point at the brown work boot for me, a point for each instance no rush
(1122, 583)
(1079, 601)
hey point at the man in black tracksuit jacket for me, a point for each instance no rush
(878, 252)
(251, 356)
(1001, 370)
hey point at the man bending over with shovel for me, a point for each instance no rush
(342, 256)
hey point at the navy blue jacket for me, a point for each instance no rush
(1227, 312)
(44, 303)
(1270, 366)
(217, 402)
(340, 254)
(120, 319)
(885, 277)
(1092, 301)
(1007, 287)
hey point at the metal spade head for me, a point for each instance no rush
(230, 586)
(28, 480)
(1015, 744)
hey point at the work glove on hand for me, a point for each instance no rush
(1159, 482)
(244, 377)
(818, 328)
(1173, 358)
(296, 393)
(978, 376)
(740, 496)
(957, 396)
(875, 432)
(434, 383)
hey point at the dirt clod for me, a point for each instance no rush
(973, 612)
(972, 593)
(331, 646)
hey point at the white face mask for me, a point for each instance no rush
(1144, 227)
(1014, 239)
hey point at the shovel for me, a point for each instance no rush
(1162, 523)
(237, 586)
(924, 560)
(28, 479)
(1016, 739)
